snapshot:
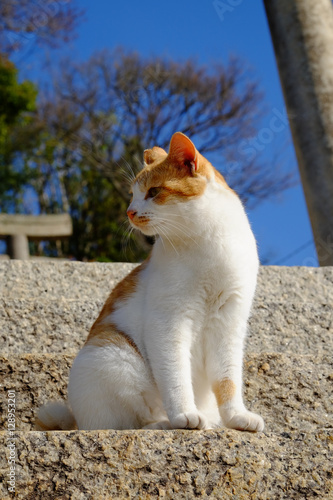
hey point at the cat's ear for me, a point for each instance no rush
(151, 155)
(183, 152)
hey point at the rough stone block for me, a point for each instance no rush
(224, 464)
(289, 391)
(75, 280)
(62, 326)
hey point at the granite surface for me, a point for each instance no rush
(75, 280)
(46, 309)
(50, 306)
(289, 391)
(62, 326)
(225, 464)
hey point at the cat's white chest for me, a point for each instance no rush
(195, 281)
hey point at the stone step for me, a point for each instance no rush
(225, 464)
(79, 280)
(46, 310)
(62, 326)
(54, 280)
(291, 392)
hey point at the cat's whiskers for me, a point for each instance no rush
(126, 238)
(180, 233)
(127, 173)
(171, 215)
(127, 176)
(122, 224)
(157, 232)
(178, 227)
(130, 170)
(163, 234)
(123, 229)
(176, 223)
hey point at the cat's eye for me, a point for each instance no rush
(152, 192)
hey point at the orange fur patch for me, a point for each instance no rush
(176, 180)
(224, 391)
(105, 334)
(151, 155)
(100, 334)
(121, 291)
(40, 426)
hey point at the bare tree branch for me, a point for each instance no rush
(40, 23)
(103, 113)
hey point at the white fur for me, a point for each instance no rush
(56, 415)
(188, 317)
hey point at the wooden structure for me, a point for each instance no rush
(18, 229)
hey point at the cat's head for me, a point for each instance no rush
(164, 189)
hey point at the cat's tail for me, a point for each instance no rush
(55, 416)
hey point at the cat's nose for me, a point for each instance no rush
(131, 213)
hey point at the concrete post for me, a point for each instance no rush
(302, 34)
(18, 246)
(17, 228)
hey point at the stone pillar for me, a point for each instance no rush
(18, 246)
(302, 34)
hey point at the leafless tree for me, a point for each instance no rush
(40, 22)
(100, 115)
(115, 105)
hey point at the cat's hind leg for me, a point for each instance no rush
(110, 387)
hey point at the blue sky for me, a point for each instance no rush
(210, 31)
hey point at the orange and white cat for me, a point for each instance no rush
(166, 351)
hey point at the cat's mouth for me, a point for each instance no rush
(142, 221)
(139, 221)
(143, 224)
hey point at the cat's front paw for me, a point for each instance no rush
(161, 425)
(244, 421)
(190, 420)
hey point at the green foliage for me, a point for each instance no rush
(69, 180)
(99, 217)
(18, 101)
